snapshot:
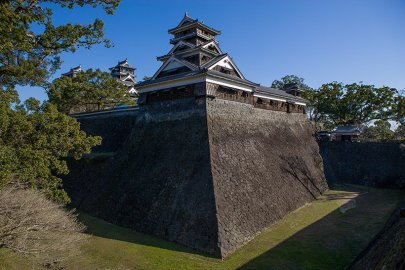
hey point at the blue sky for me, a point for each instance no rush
(321, 41)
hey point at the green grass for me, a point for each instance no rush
(316, 236)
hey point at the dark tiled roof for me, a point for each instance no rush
(199, 47)
(73, 70)
(346, 129)
(202, 25)
(121, 63)
(230, 77)
(194, 21)
(195, 72)
(214, 60)
(278, 93)
(172, 77)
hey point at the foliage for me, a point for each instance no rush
(35, 138)
(30, 57)
(307, 94)
(352, 104)
(400, 132)
(380, 131)
(34, 141)
(87, 91)
(290, 79)
(32, 225)
(400, 109)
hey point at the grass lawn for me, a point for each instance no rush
(316, 236)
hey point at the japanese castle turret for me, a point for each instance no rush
(197, 67)
(124, 73)
(73, 72)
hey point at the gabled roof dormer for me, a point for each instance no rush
(224, 64)
(180, 46)
(212, 46)
(129, 79)
(173, 64)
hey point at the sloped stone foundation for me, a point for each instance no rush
(209, 174)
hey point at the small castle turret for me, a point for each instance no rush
(73, 72)
(125, 73)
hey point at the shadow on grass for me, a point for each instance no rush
(330, 242)
(335, 240)
(101, 228)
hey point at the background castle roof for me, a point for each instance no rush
(188, 22)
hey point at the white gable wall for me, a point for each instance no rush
(227, 63)
(224, 63)
(172, 65)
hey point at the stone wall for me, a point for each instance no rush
(386, 252)
(376, 164)
(265, 164)
(159, 179)
(207, 173)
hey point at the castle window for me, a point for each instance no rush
(227, 90)
(225, 70)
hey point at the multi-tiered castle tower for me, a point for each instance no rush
(125, 74)
(196, 66)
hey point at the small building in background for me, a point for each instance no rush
(323, 136)
(125, 73)
(345, 133)
(73, 72)
(293, 89)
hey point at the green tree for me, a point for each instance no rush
(352, 104)
(36, 138)
(380, 131)
(34, 142)
(290, 79)
(30, 57)
(307, 94)
(399, 110)
(87, 91)
(400, 132)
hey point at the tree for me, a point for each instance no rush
(87, 91)
(34, 142)
(380, 131)
(35, 139)
(30, 57)
(290, 79)
(352, 104)
(400, 132)
(400, 109)
(32, 225)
